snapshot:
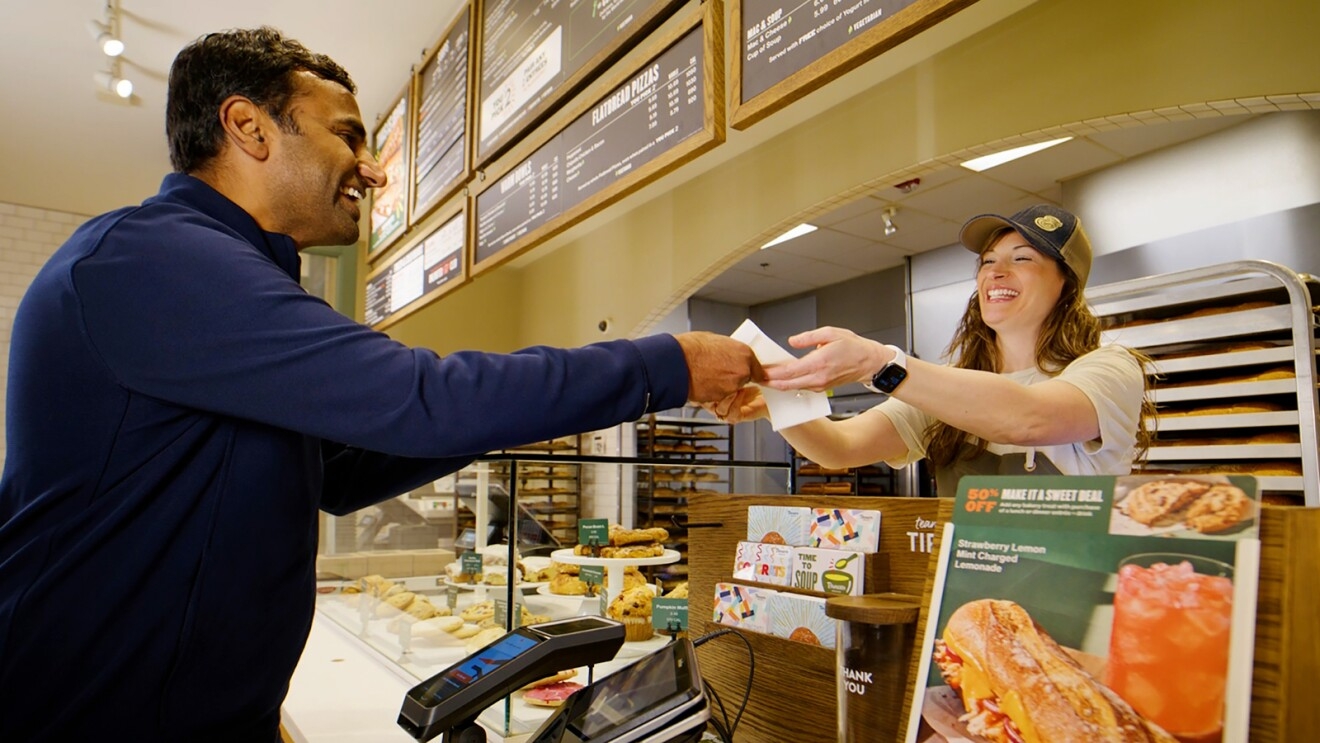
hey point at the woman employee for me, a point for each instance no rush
(1030, 389)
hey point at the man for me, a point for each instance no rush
(179, 408)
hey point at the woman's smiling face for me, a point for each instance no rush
(1017, 285)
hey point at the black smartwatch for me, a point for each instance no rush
(891, 376)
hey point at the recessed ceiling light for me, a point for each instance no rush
(999, 158)
(798, 231)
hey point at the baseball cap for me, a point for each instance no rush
(1054, 231)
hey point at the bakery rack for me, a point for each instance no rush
(1234, 374)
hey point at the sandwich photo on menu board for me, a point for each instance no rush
(1054, 618)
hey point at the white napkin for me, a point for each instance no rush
(787, 408)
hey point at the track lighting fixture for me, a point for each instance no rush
(111, 44)
(111, 82)
(107, 40)
(887, 216)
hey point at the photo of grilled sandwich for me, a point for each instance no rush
(1017, 685)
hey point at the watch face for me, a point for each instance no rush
(889, 378)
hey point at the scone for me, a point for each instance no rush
(633, 551)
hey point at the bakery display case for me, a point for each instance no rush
(1233, 371)
(500, 565)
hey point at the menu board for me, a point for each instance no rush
(535, 53)
(788, 48)
(420, 271)
(389, 205)
(441, 140)
(607, 146)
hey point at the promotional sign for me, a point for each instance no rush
(389, 204)
(1136, 594)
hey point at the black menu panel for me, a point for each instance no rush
(658, 108)
(442, 119)
(424, 268)
(535, 53)
(780, 38)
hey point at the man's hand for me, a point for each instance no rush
(718, 366)
(745, 405)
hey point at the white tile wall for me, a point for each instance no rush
(28, 236)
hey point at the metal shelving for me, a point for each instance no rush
(1234, 368)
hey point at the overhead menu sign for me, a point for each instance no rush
(420, 271)
(780, 38)
(442, 119)
(790, 48)
(535, 53)
(649, 115)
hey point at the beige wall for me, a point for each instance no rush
(1048, 67)
(28, 237)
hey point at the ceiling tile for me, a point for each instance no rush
(1040, 170)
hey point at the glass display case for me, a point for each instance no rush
(429, 577)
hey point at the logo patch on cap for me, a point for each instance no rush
(1049, 223)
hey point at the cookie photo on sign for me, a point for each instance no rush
(1180, 505)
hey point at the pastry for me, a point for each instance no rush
(633, 551)
(1219, 508)
(483, 638)
(633, 608)
(1154, 503)
(551, 695)
(478, 611)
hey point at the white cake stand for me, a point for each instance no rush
(614, 566)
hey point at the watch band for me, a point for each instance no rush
(891, 375)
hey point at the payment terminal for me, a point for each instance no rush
(658, 699)
(450, 701)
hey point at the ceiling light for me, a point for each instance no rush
(113, 83)
(887, 216)
(107, 36)
(798, 231)
(999, 158)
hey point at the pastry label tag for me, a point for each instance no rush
(594, 532)
(470, 563)
(669, 615)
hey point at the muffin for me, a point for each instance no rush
(633, 608)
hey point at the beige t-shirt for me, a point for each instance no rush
(1110, 377)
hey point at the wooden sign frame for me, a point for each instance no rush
(869, 44)
(710, 17)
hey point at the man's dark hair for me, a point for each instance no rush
(258, 64)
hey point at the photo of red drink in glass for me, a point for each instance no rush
(1168, 651)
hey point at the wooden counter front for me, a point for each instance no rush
(793, 695)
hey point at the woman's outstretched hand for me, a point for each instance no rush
(840, 357)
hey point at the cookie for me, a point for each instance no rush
(467, 629)
(478, 611)
(1154, 503)
(1219, 508)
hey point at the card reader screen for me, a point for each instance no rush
(472, 668)
(653, 684)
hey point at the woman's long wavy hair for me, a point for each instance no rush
(1070, 331)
